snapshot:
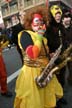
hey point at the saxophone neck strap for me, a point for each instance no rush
(47, 54)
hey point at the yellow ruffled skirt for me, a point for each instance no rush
(28, 95)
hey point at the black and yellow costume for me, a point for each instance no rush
(28, 95)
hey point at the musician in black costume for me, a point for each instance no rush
(56, 36)
(66, 21)
(16, 29)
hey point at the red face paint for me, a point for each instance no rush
(38, 23)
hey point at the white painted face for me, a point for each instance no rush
(58, 17)
(38, 24)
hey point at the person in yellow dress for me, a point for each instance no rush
(28, 94)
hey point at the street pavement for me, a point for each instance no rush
(13, 64)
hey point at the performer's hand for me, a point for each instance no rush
(49, 77)
(51, 55)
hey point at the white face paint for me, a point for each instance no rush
(58, 17)
(38, 25)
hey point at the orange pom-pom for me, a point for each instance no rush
(35, 51)
(29, 51)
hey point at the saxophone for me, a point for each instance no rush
(50, 69)
(40, 80)
(67, 52)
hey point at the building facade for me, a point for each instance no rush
(11, 8)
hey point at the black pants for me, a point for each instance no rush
(70, 73)
(61, 76)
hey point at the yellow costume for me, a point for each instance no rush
(28, 95)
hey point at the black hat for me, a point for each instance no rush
(66, 13)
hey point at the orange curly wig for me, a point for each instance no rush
(43, 11)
